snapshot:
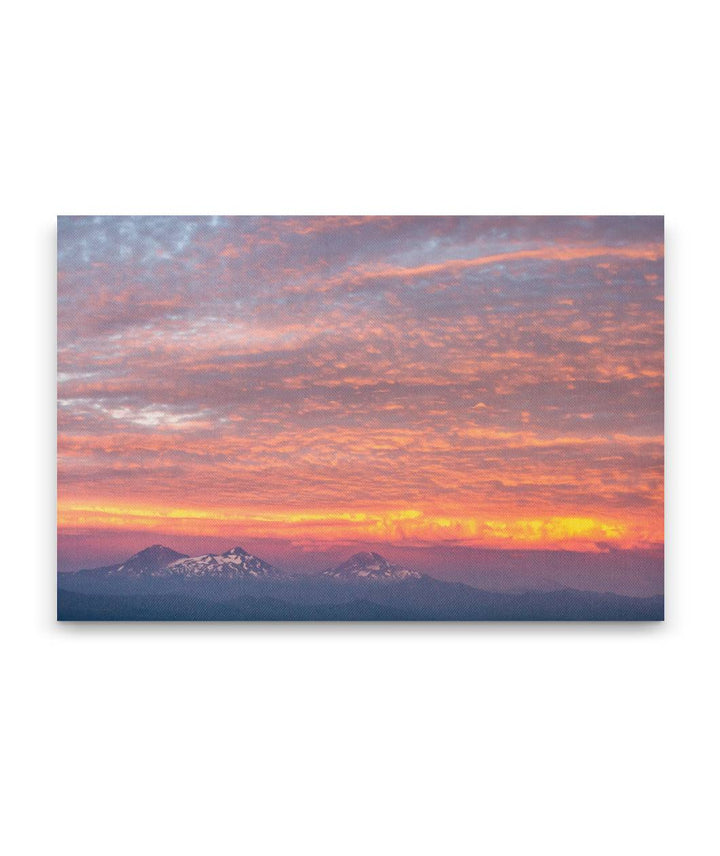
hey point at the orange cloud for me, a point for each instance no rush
(647, 252)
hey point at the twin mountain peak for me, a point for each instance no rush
(236, 564)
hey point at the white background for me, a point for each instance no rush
(359, 739)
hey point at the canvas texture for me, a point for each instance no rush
(360, 418)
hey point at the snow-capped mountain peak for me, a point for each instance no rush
(367, 565)
(235, 563)
(236, 551)
(158, 561)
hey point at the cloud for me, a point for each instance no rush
(472, 369)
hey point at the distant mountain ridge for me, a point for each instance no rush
(237, 563)
(160, 584)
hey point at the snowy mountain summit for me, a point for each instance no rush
(235, 563)
(159, 561)
(370, 566)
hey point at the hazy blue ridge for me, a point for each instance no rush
(84, 598)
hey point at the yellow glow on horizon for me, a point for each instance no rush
(330, 525)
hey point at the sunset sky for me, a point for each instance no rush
(328, 383)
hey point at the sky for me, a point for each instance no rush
(318, 385)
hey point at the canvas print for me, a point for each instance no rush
(360, 418)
